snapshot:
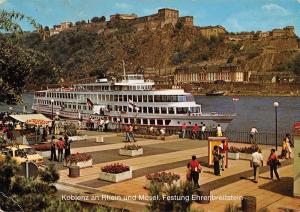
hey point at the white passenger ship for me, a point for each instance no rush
(131, 100)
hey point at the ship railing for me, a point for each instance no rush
(218, 114)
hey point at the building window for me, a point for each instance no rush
(156, 110)
(152, 121)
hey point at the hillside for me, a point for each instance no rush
(80, 54)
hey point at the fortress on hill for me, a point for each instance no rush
(165, 17)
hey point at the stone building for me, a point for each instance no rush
(226, 73)
(273, 77)
(59, 28)
(209, 31)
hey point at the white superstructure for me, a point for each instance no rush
(131, 100)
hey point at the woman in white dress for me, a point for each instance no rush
(288, 144)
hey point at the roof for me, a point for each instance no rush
(26, 117)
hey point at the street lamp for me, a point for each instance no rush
(276, 104)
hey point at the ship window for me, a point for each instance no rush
(111, 98)
(69, 95)
(169, 98)
(99, 97)
(145, 99)
(138, 121)
(145, 121)
(116, 107)
(150, 98)
(174, 99)
(79, 107)
(134, 98)
(152, 121)
(171, 110)
(181, 98)
(84, 107)
(115, 98)
(157, 98)
(129, 97)
(150, 109)
(163, 110)
(139, 98)
(125, 108)
(129, 109)
(167, 122)
(131, 121)
(125, 98)
(160, 122)
(163, 98)
(144, 109)
(74, 106)
(181, 110)
(126, 120)
(114, 119)
(156, 110)
(120, 98)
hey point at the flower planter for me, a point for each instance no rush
(110, 177)
(81, 164)
(131, 152)
(175, 182)
(245, 156)
(234, 155)
(78, 138)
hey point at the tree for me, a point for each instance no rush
(95, 19)
(102, 19)
(15, 63)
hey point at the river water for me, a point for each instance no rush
(251, 110)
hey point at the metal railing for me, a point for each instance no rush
(263, 138)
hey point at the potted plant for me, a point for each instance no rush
(233, 153)
(79, 159)
(71, 131)
(246, 152)
(115, 172)
(131, 150)
(166, 178)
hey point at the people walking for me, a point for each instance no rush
(256, 162)
(216, 159)
(284, 149)
(253, 132)
(223, 153)
(273, 163)
(131, 133)
(67, 146)
(53, 149)
(288, 145)
(60, 148)
(203, 131)
(195, 131)
(127, 137)
(195, 171)
(183, 130)
(219, 131)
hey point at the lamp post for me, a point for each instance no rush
(276, 104)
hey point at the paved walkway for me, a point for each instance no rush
(174, 161)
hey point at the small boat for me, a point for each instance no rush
(215, 93)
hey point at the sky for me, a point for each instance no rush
(234, 15)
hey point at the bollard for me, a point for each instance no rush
(99, 139)
(249, 204)
(74, 171)
(203, 196)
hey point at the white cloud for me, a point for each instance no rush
(123, 6)
(275, 8)
(2, 1)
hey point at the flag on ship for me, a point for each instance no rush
(132, 105)
(89, 103)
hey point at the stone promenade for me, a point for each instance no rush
(172, 156)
